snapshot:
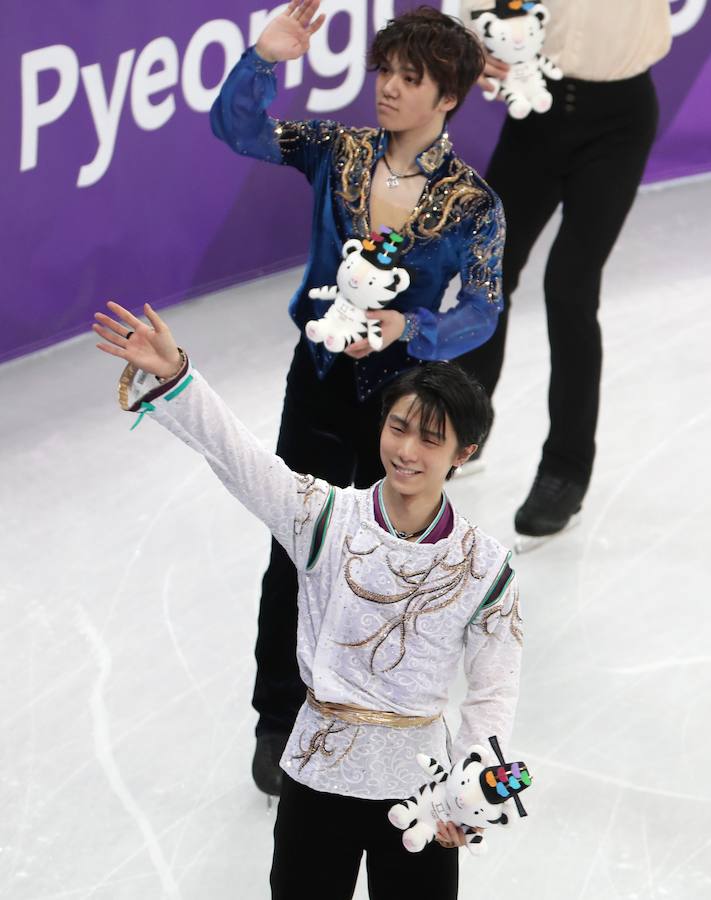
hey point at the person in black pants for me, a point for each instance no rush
(404, 175)
(342, 826)
(587, 153)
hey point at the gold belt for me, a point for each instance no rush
(357, 715)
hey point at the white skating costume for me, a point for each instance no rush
(383, 622)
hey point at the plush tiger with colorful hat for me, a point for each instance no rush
(474, 794)
(367, 279)
(514, 33)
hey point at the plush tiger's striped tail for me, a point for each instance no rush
(432, 767)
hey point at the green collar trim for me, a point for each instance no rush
(430, 528)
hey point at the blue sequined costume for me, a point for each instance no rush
(457, 228)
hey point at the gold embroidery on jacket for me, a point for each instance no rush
(353, 158)
(317, 744)
(424, 592)
(442, 203)
(306, 487)
(513, 616)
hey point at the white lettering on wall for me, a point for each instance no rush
(350, 60)
(218, 31)
(105, 113)
(686, 17)
(35, 115)
(157, 69)
(383, 10)
(148, 80)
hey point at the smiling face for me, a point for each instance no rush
(405, 102)
(418, 456)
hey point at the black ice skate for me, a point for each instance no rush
(265, 766)
(552, 506)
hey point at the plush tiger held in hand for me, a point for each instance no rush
(367, 279)
(515, 34)
(475, 794)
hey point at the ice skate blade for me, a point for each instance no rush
(525, 543)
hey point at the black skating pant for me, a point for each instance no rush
(327, 433)
(319, 839)
(587, 153)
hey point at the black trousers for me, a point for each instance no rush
(319, 839)
(327, 433)
(587, 153)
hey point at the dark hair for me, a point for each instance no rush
(443, 389)
(430, 41)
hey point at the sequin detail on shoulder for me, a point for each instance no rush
(432, 159)
(292, 135)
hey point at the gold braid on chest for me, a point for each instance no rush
(444, 202)
(353, 160)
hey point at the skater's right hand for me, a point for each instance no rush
(148, 347)
(288, 36)
(494, 68)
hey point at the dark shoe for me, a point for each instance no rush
(550, 505)
(265, 765)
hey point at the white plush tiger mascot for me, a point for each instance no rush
(366, 279)
(515, 34)
(475, 794)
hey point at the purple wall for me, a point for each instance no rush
(113, 185)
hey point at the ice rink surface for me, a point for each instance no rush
(129, 591)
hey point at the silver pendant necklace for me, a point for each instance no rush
(393, 179)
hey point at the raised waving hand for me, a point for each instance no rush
(148, 346)
(288, 36)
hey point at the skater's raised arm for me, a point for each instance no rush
(160, 382)
(288, 36)
(239, 114)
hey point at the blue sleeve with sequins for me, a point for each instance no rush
(473, 320)
(239, 118)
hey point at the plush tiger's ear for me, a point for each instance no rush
(351, 246)
(401, 280)
(541, 13)
(472, 758)
(484, 23)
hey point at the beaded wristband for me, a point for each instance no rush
(411, 327)
(178, 371)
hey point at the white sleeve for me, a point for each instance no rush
(492, 664)
(291, 505)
